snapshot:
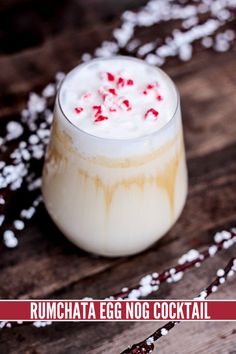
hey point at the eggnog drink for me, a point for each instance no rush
(115, 178)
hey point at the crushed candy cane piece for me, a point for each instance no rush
(100, 118)
(151, 113)
(121, 82)
(127, 104)
(78, 110)
(112, 91)
(110, 76)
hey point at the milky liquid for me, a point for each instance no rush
(115, 186)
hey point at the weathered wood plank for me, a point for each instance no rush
(109, 338)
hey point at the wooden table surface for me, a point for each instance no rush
(35, 44)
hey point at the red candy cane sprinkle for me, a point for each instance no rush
(78, 110)
(98, 109)
(87, 95)
(112, 109)
(150, 86)
(159, 98)
(121, 82)
(110, 77)
(145, 92)
(112, 91)
(100, 118)
(103, 93)
(130, 82)
(151, 113)
(127, 104)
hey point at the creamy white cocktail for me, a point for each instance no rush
(115, 177)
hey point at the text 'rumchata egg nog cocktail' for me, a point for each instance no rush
(115, 176)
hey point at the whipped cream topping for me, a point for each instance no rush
(118, 98)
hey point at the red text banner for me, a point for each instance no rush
(124, 310)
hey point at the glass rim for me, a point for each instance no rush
(119, 140)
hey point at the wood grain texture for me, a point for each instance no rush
(46, 265)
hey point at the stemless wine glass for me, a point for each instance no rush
(114, 197)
